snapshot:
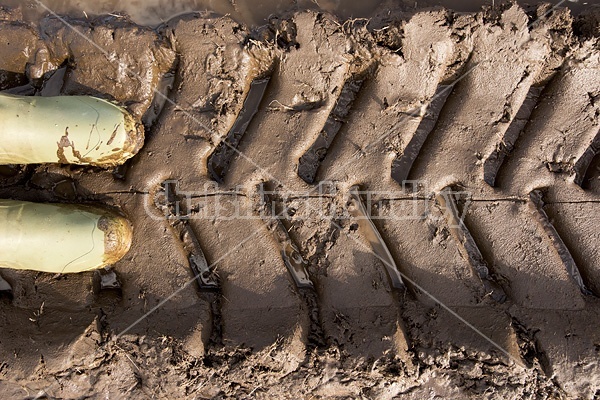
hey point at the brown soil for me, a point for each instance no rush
(501, 306)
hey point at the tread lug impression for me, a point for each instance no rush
(537, 206)
(197, 261)
(309, 163)
(582, 165)
(358, 210)
(295, 264)
(220, 159)
(466, 244)
(494, 161)
(402, 165)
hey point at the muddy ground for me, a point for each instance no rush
(494, 307)
(250, 12)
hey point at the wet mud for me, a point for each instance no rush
(412, 291)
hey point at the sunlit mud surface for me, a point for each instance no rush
(458, 273)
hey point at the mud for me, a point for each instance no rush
(249, 12)
(492, 305)
(219, 161)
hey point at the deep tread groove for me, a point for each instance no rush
(311, 160)
(402, 164)
(293, 260)
(295, 264)
(537, 205)
(582, 165)
(220, 160)
(205, 278)
(529, 346)
(216, 333)
(466, 244)
(359, 211)
(494, 161)
(316, 334)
